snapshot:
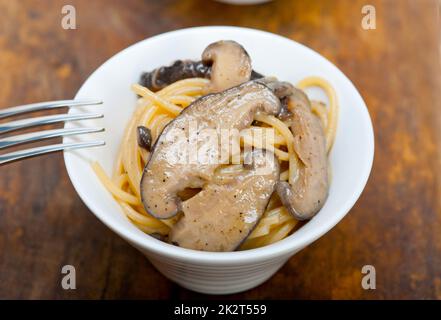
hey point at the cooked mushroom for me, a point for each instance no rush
(222, 215)
(144, 137)
(228, 59)
(231, 64)
(282, 90)
(180, 69)
(305, 197)
(165, 175)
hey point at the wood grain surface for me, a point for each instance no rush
(395, 226)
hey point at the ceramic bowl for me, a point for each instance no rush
(229, 272)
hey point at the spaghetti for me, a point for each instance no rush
(156, 109)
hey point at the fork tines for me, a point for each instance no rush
(46, 134)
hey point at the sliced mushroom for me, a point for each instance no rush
(228, 59)
(306, 196)
(282, 90)
(144, 137)
(181, 69)
(231, 65)
(222, 215)
(174, 166)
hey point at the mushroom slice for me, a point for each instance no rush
(161, 77)
(222, 215)
(228, 59)
(306, 196)
(186, 154)
(282, 90)
(144, 137)
(231, 65)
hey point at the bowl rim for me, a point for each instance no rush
(285, 246)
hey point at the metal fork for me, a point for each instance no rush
(46, 134)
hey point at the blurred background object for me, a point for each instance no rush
(395, 226)
(244, 2)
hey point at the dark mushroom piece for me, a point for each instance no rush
(170, 168)
(180, 69)
(228, 59)
(223, 214)
(282, 90)
(144, 137)
(231, 65)
(308, 193)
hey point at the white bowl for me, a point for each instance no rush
(243, 2)
(221, 273)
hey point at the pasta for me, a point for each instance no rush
(156, 109)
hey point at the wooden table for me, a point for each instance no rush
(395, 226)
